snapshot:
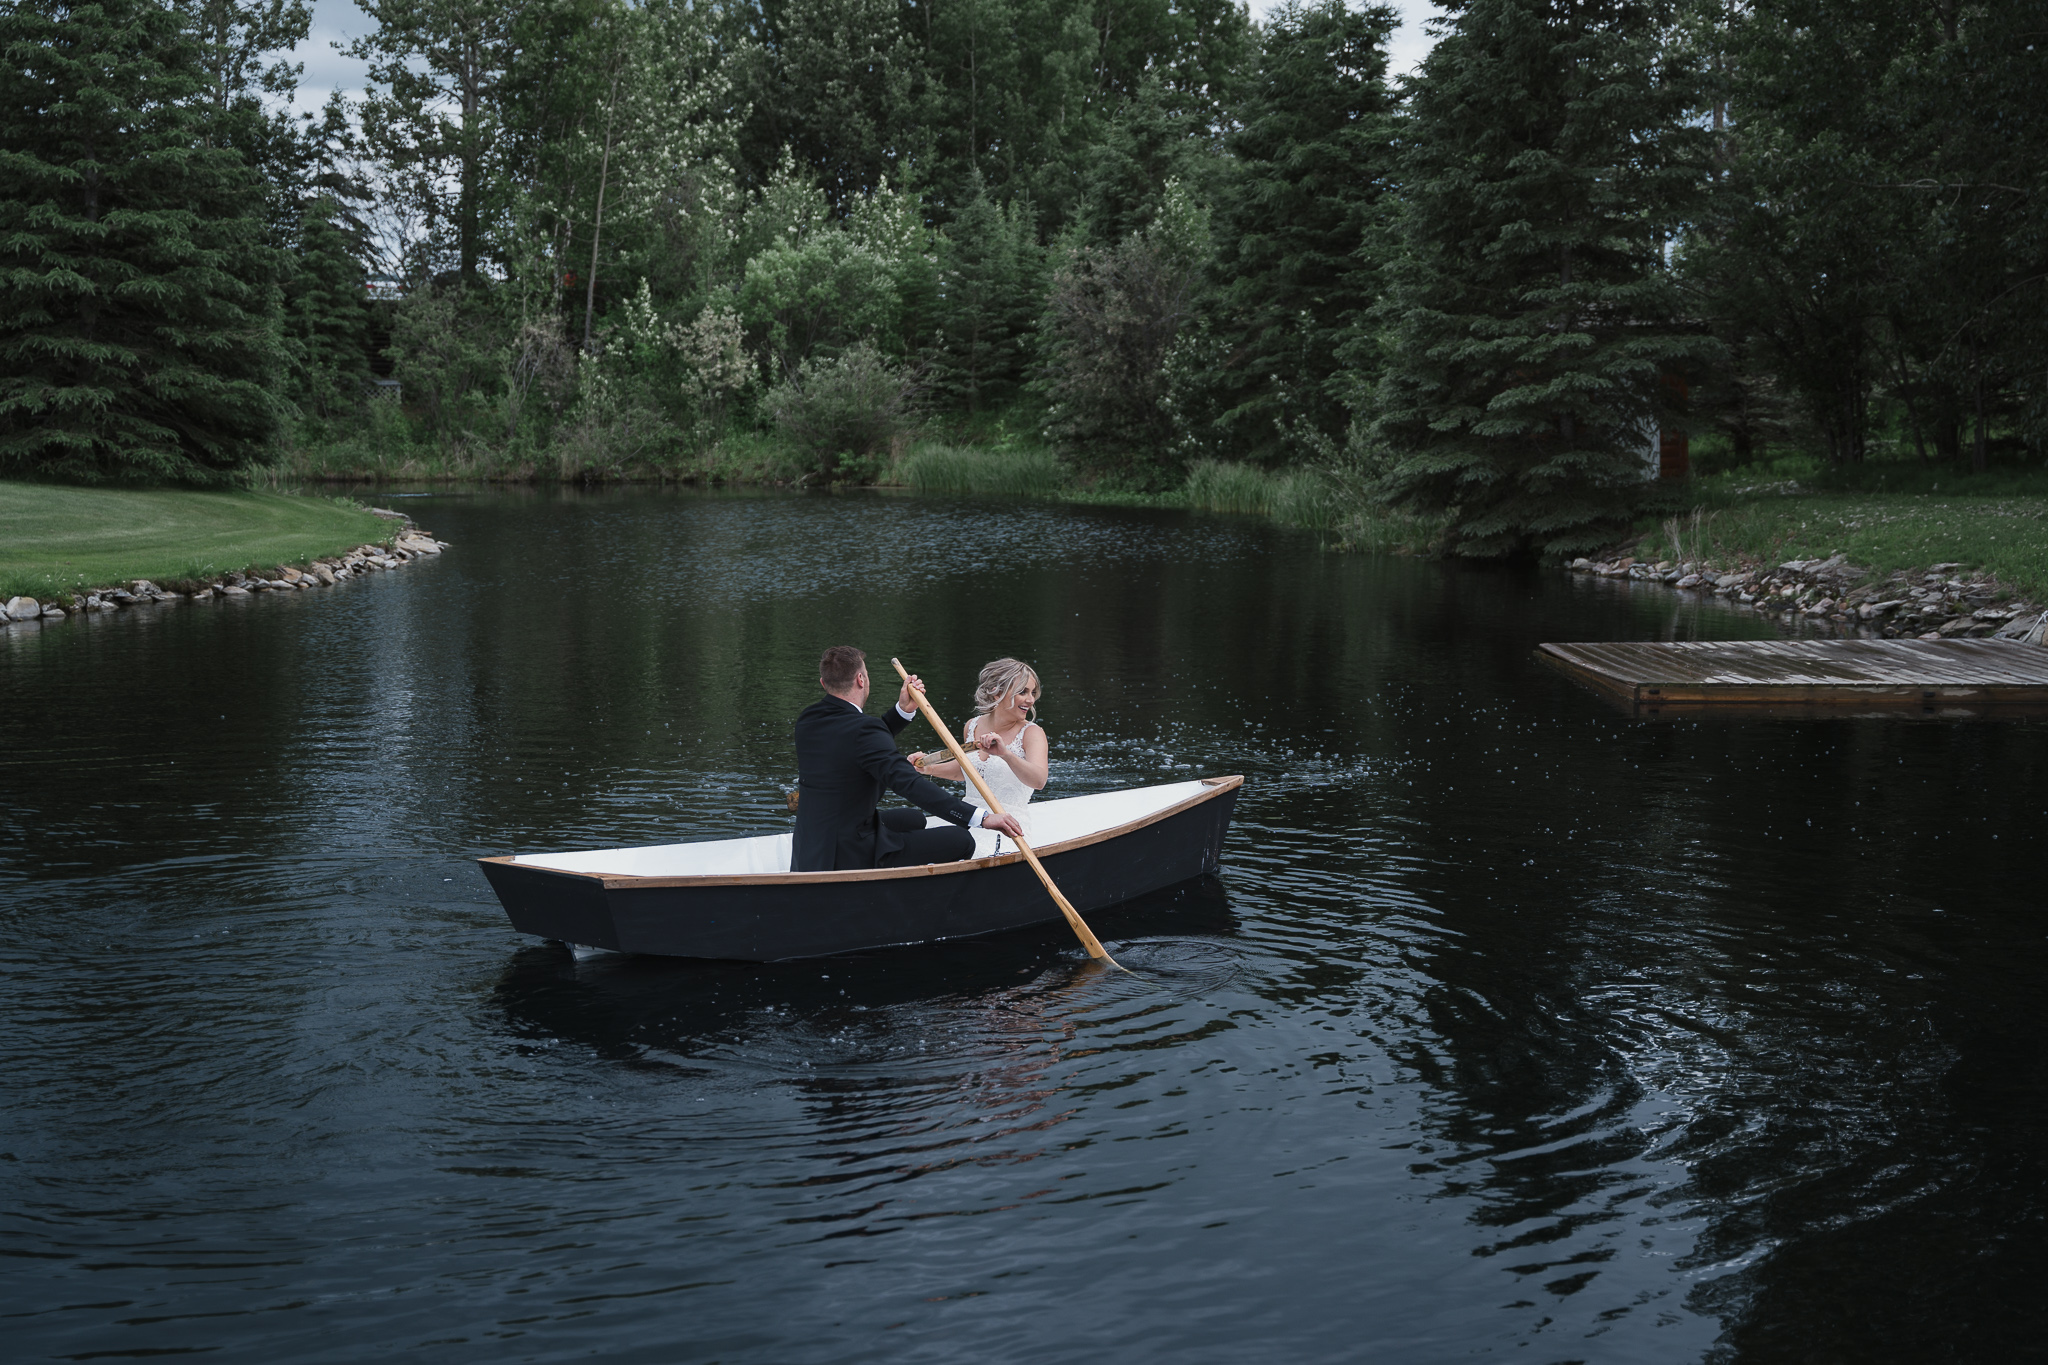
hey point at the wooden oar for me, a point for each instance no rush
(1074, 920)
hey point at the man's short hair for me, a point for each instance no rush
(840, 666)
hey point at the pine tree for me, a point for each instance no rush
(1300, 231)
(990, 287)
(1534, 322)
(137, 303)
(326, 290)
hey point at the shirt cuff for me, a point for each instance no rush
(974, 820)
(907, 715)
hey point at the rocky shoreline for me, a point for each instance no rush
(1936, 603)
(407, 546)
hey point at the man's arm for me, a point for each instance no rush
(880, 758)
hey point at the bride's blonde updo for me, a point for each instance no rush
(1000, 679)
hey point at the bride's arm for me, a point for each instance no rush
(949, 771)
(1031, 764)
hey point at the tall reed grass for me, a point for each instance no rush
(1031, 472)
(1333, 501)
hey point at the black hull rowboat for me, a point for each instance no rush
(735, 898)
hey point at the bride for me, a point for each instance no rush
(1005, 745)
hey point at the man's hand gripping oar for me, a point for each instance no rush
(1074, 920)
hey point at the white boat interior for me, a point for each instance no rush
(1051, 822)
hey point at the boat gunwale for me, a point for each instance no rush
(614, 881)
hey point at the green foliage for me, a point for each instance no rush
(1220, 486)
(448, 349)
(1149, 143)
(820, 285)
(1009, 85)
(848, 412)
(1111, 322)
(1320, 498)
(694, 370)
(1880, 225)
(836, 83)
(326, 313)
(1300, 234)
(138, 305)
(659, 238)
(1017, 471)
(992, 278)
(1535, 327)
(431, 118)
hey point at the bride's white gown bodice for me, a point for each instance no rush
(1007, 786)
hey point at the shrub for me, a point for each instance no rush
(845, 412)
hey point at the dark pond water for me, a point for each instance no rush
(1515, 1028)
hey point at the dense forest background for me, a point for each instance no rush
(784, 238)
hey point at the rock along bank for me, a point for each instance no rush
(1935, 603)
(407, 546)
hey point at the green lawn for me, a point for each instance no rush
(2002, 535)
(56, 539)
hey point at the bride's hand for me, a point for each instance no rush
(992, 744)
(919, 759)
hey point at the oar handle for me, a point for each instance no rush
(1074, 920)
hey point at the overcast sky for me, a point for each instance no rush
(339, 21)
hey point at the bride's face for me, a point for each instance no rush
(1023, 699)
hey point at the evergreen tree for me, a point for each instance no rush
(1535, 324)
(1150, 141)
(137, 296)
(990, 285)
(1301, 229)
(326, 290)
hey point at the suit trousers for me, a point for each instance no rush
(946, 844)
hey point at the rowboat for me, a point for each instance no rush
(737, 899)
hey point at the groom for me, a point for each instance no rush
(844, 758)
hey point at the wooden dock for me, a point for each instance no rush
(1921, 677)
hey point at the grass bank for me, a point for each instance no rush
(56, 539)
(1881, 517)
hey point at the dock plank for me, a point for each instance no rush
(1910, 675)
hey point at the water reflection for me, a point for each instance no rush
(1513, 1025)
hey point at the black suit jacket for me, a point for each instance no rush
(844, 759)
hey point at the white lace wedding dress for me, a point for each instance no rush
(1007, 786)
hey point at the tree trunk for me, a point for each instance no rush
(597, 220)
(1978, 451)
